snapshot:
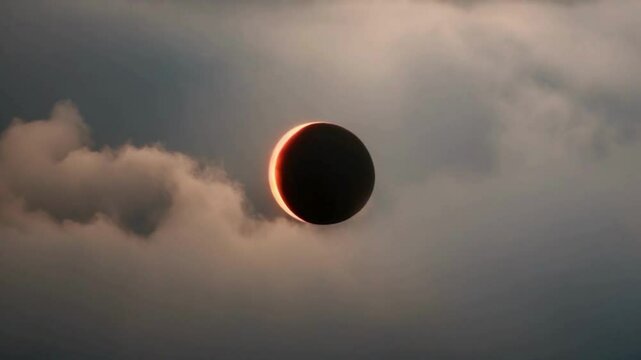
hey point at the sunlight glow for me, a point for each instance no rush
(274, 168)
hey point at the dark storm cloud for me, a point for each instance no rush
(494, 231)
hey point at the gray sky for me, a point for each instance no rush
(136, 221)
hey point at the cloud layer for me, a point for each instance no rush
(504, 222)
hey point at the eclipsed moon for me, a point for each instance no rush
(321, 173)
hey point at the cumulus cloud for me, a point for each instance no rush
(81, 208)
(48, 165)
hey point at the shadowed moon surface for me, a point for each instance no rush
(321, 173)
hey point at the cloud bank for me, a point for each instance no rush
(504, 222)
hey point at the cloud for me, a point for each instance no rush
(49, 165)
(504, 223)
(450, 268)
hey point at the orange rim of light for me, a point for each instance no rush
(274, 167)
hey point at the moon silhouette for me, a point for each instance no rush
(321, 173)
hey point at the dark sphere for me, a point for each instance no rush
(326, 174)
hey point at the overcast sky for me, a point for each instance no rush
(136, 219)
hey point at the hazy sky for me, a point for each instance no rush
(136, 219)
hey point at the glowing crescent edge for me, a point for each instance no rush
(274, 174)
